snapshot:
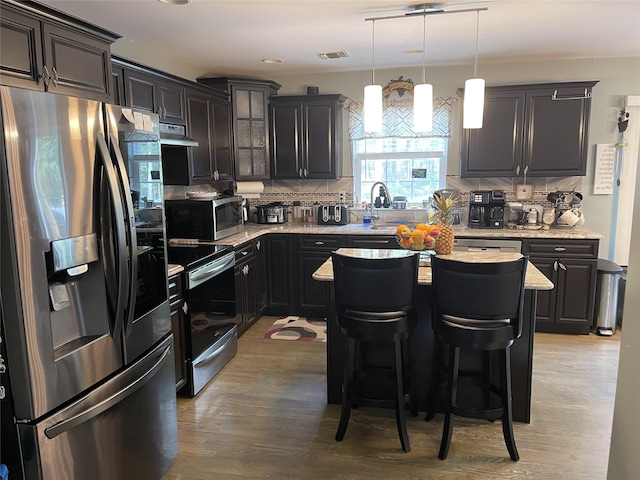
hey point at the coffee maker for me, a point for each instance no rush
(486, 209)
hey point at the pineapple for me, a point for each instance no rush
(444, 206)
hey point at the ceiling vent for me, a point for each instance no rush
(333, 55)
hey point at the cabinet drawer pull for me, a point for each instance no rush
(244, 253)
(319, 243)
(559, 249)
(562, 266)
(172, 285)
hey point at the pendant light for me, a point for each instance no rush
(473, 108)
(423, 93)
(373, 95)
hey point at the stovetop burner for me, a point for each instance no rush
(191, 256)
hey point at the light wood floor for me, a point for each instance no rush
(265, 417)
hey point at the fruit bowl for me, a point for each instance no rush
(422, 237)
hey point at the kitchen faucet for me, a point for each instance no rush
(388, 195)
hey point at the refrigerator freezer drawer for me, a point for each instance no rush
(124, 429)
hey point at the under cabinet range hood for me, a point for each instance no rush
(171, 134)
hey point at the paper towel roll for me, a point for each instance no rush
(249, 189)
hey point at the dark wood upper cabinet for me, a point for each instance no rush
(306, 136)
(150, 92)
(208, 123)
(43, 49)
(119, 96)
(249, 123)
(540, 128)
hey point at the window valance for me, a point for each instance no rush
(397, 120)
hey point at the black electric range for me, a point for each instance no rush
(192, 255)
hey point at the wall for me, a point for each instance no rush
(624, 461)
(617, 77)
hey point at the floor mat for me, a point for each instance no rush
(298, 328)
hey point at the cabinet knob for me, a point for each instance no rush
(526, 169)
(555, 265)
(258, 245)
(562, 266)
(305, 172)
(518, 170)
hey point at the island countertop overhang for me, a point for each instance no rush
(535, 279)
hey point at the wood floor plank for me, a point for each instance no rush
(265, 416)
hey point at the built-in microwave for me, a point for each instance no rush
(204, 220)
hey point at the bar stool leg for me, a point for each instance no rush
(452, 386)
(400, 414)
(507, 417)
(436, 371)
(346, 388)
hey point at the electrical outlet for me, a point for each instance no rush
(342, 198)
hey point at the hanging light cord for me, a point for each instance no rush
(373, 53)
(424, 46)
(475, 63)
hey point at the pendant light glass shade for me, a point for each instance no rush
(473, 103)
(423, 107)
(373, 108)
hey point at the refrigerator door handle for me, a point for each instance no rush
(123, 281)
(131, 219)
(91, 412)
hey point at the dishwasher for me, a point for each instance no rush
(486, 245)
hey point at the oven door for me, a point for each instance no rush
(211, 301)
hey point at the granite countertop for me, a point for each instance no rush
(254, 230)
(173, 269)
(535, 279)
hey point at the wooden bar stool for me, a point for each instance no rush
(476, 306)
(375, 303)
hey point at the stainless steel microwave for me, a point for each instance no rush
(204, 220)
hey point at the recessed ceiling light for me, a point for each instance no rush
(175, 2)
(416, 51)
(271, 60)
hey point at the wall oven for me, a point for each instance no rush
(212, 334)
(205, 220)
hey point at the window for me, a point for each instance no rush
(410, 167)
(411, 164)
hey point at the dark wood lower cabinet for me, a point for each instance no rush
(313, 251)
(178, 318)
(280, 273)
(373, 241)
(572, 266)
(246, 283)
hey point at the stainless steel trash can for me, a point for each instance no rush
(607, 297)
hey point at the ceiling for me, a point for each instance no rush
(232, 37)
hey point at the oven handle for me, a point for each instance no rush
(212, 355)
(209, 271)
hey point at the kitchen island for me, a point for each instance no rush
(421, 342)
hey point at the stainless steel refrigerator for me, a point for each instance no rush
(90, 383)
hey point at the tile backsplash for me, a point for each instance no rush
(310, 192)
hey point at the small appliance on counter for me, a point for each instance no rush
(274, 212)
(486, 209)
(333, 214)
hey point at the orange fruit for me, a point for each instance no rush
(406, 242)
(401, 228)
(422, 226)
(418, 233)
